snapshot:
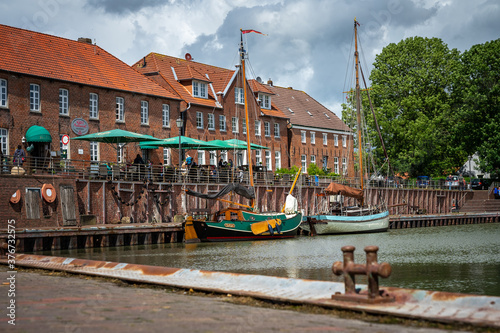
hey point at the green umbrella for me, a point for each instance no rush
(116, 136)
(224, 145)
(185, 143)
(148, 145)
(241, 142)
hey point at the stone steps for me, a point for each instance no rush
(481, 203)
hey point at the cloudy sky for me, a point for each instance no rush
(308, 42)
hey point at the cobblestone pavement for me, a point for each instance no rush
(55, 302)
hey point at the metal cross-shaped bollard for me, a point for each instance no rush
(372, 270)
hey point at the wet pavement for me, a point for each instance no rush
(60, 302)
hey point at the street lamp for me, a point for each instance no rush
(180, 123)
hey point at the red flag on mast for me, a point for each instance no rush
(251, 30)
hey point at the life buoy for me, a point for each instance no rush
(15, 197)
(49, 193)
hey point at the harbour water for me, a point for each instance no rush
(464, 258)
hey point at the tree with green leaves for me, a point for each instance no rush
(411, 92)
(476, 94)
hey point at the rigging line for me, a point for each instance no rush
(348, 68)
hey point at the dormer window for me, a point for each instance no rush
(265, 101)
(200, 89)
(239, 96)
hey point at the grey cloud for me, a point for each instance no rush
(124, 6)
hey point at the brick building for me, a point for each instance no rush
(52, 86)
(62, 86)
(215, 108)
(315, 134)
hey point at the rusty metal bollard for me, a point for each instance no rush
(372, 269)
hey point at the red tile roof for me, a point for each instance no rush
(186, 71)
(42, 55)
(306, 110)
(258, 87)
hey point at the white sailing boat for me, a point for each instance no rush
(337, 219)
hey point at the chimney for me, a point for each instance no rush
(85, 40)
(270, 82)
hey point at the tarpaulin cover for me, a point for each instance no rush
(248, 193)
(334, 189)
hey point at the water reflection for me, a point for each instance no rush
(456, 258)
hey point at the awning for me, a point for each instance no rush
(38, 134)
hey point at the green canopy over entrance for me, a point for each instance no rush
(38, 134)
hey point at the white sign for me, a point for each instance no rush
(80, 151)
(65, 139)
(64, 147)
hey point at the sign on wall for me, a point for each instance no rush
(80, 126)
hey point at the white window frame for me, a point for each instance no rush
(222, 123)
(93, 106)
(211, 122)
(313, 159)
(336, 165)
(239, 96)
(265, 101)
(213, 157)
(165, 114)
(277, 159)
(3, 93)
(201, 157)
(325, 139)
(199, 120)
(144, 113)
(200, 89)
(63, 102)
(120, 110)
(234, 125)
(335, 140)
(303, 137)
(258, 157)
(244, 126)
(344, 141)
(313, 138)
(268, 160)
(94, 151)
(4, 141)
(267, 129)
(303, 162)
(257, 128)
(35, 97)
(167, 156)
(121, 147)
(276, 130)
(344, 165)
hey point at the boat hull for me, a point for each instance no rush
(240, 230)
(337, 224)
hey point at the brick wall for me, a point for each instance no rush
(50, 213)
(318, 149)
(18, 118)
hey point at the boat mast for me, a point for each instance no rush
(358, 103)
(249, 155)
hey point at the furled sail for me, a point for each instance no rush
(248, 193)
(334, 189)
